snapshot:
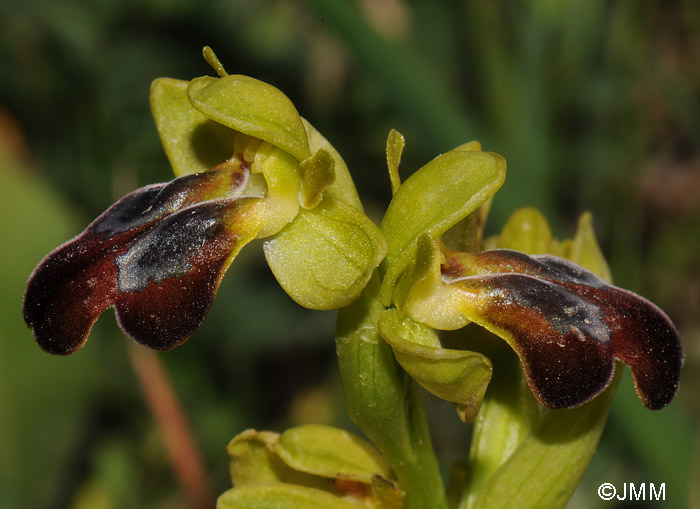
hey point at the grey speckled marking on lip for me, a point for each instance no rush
(166, 250)
(565, 311)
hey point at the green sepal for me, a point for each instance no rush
(252, 107)
(192, 142)
(585, 250)
(528, 231)
(330, 452)
(314, 457)
(317, 173)
(458, 376)
(289, 496)
(325, 256)
(432, 200)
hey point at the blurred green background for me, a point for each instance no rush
(595, 104)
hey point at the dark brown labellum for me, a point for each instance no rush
(568, 326)
(157, 256)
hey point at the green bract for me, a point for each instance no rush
(307, 467)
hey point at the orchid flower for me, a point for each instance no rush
(247, 166)
(566, 324)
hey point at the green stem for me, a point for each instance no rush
(385, 403)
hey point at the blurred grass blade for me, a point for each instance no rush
(410, 82)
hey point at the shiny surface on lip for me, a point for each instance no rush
(157, 256)
(568, 326)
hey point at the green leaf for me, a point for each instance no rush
(330, 452)
(433, 199)
(192, 142)
(325, 256)
(549, 462)
(509, 412)
(458, 376)
(252, 107)
(287, 496)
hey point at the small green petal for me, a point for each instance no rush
(251, 107)
(434, 199)
(394, 148)
(343, 187)
(317, 173)
(214, 61)
(192, 142)
(330, 452)
(325, 256)
(458, 376)
(288, 496)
